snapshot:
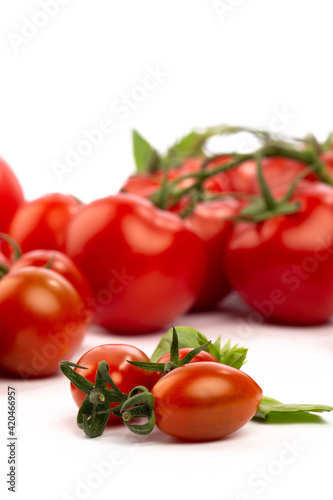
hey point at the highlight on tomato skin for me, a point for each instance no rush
(61, 264)
(42, 223)
(205, 401)
(51, 323)
(144, 265)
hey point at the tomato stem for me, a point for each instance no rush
(174, 362)
(14, 246)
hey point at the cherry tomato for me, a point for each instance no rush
(144, 266)
(61, 264)
(202, 356)
(283, 267)
(41, 321)
(11, 196)
(278, 172)
(143, 184)
(211, 221)
(327, 158)
(125, 375)
(42, 223)
(204, 401)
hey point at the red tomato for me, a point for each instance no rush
(204, 401)
(4, 261)
(202, 356)
(143, 265)
(42, 223)
(211, 222)
(327, 158)
(11, 196)
(41, 321)
(62, 265)
(283, 267)
(278, 172)
(124, 375)
(143, 184)
(219, 183)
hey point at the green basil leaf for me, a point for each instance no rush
(188, 147)
(233, 356)
(187, 337)
(269, 406)
(146, 157)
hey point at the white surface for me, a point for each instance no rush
(257, 62)
(293, 365)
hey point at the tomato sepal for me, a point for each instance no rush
(175, 361)
(140, 404)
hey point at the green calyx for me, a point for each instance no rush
(174, 362)
(306, 150)
(95, 410)
(267, 206)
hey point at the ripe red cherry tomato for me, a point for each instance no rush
(278, 172)
(144, 266)
(11, 196)
(125, 375)
(42, 223)
(202, 356)
(211, 221)
(61, 264)
(41, 321)
(143, 184)
(204, 401)
(283, 267)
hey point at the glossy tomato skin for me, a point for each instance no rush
(202, 356)
(211, 221)
(283, 267)
(41, 322)
(11, 195)
(42, 223)
(204, 401)
(279, 173)
(144, 266)
(143, 184)
(125, 375)
(62, 265)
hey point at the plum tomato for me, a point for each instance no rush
(204, 401)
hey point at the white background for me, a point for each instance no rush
(250, 62)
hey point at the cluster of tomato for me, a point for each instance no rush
(188, 394)
(184, 231)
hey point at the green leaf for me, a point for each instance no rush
(268, 406)
(189, 337)
(146, 157)
(211, 348)
(187, 147)
(233, 356)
